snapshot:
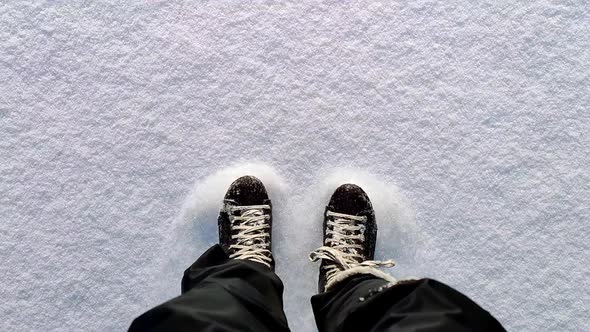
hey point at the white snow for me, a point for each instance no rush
(122, 122)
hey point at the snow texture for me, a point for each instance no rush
(122, 122)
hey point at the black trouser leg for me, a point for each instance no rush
(221, 294)
(367, 303)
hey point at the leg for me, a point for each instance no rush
(232, 287)
(356, 296)
(221, 294)
(367, 303)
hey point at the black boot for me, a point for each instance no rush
(245, 222)
(350, 233)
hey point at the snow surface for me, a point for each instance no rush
(121, 123)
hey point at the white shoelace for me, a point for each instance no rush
(252, 238)
(343, 248)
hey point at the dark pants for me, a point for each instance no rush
(221, 294)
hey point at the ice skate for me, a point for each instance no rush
(350, 234)
(245, 222)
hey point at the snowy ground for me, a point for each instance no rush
(121, 122)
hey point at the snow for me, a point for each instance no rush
(122, 122)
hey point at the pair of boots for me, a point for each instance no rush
(350, 231)
(233, 287)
